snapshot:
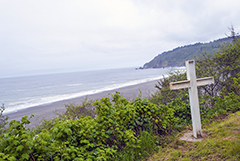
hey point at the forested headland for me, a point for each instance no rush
(178, 56)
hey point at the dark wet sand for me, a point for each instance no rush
(48, 111)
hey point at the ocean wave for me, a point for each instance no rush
(37, 101)
(72, 85)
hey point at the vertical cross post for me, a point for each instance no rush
(192, 83)
(193, 96)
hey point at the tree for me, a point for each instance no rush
(164, 95)
(233, 35)
(223, 65)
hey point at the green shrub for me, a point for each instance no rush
(145, 147)
(182, 111)
(228, 102)
(79, 139)
(139, 115)
(120, 126)
(46, 124)
(77, 111)
(16, 143)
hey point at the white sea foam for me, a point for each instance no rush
(71, 85)
(36, 101)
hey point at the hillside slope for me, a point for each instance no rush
(221, 142)
(179, 55)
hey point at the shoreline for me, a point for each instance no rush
(48, 111)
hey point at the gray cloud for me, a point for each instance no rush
(57, 36)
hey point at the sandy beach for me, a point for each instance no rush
(48, 111)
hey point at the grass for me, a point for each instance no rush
(221, 142)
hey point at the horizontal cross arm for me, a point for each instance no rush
(205, 81)
(186, 83)
(180, 84)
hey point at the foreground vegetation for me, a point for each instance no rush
(125, 130)
(117, 129)
(119, 125)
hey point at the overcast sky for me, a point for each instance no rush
(47, 36)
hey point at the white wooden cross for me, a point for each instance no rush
(191, 83)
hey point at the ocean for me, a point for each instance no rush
(28, 91)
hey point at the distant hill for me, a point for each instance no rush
(179, 55)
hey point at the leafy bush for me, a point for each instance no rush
(229, 103)
(145, 147)
(77, 111)
(119, 126)
(46, 124)
(16, 142)
(73, 111)
(79, 139)
(182, 111)
(139, 115)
